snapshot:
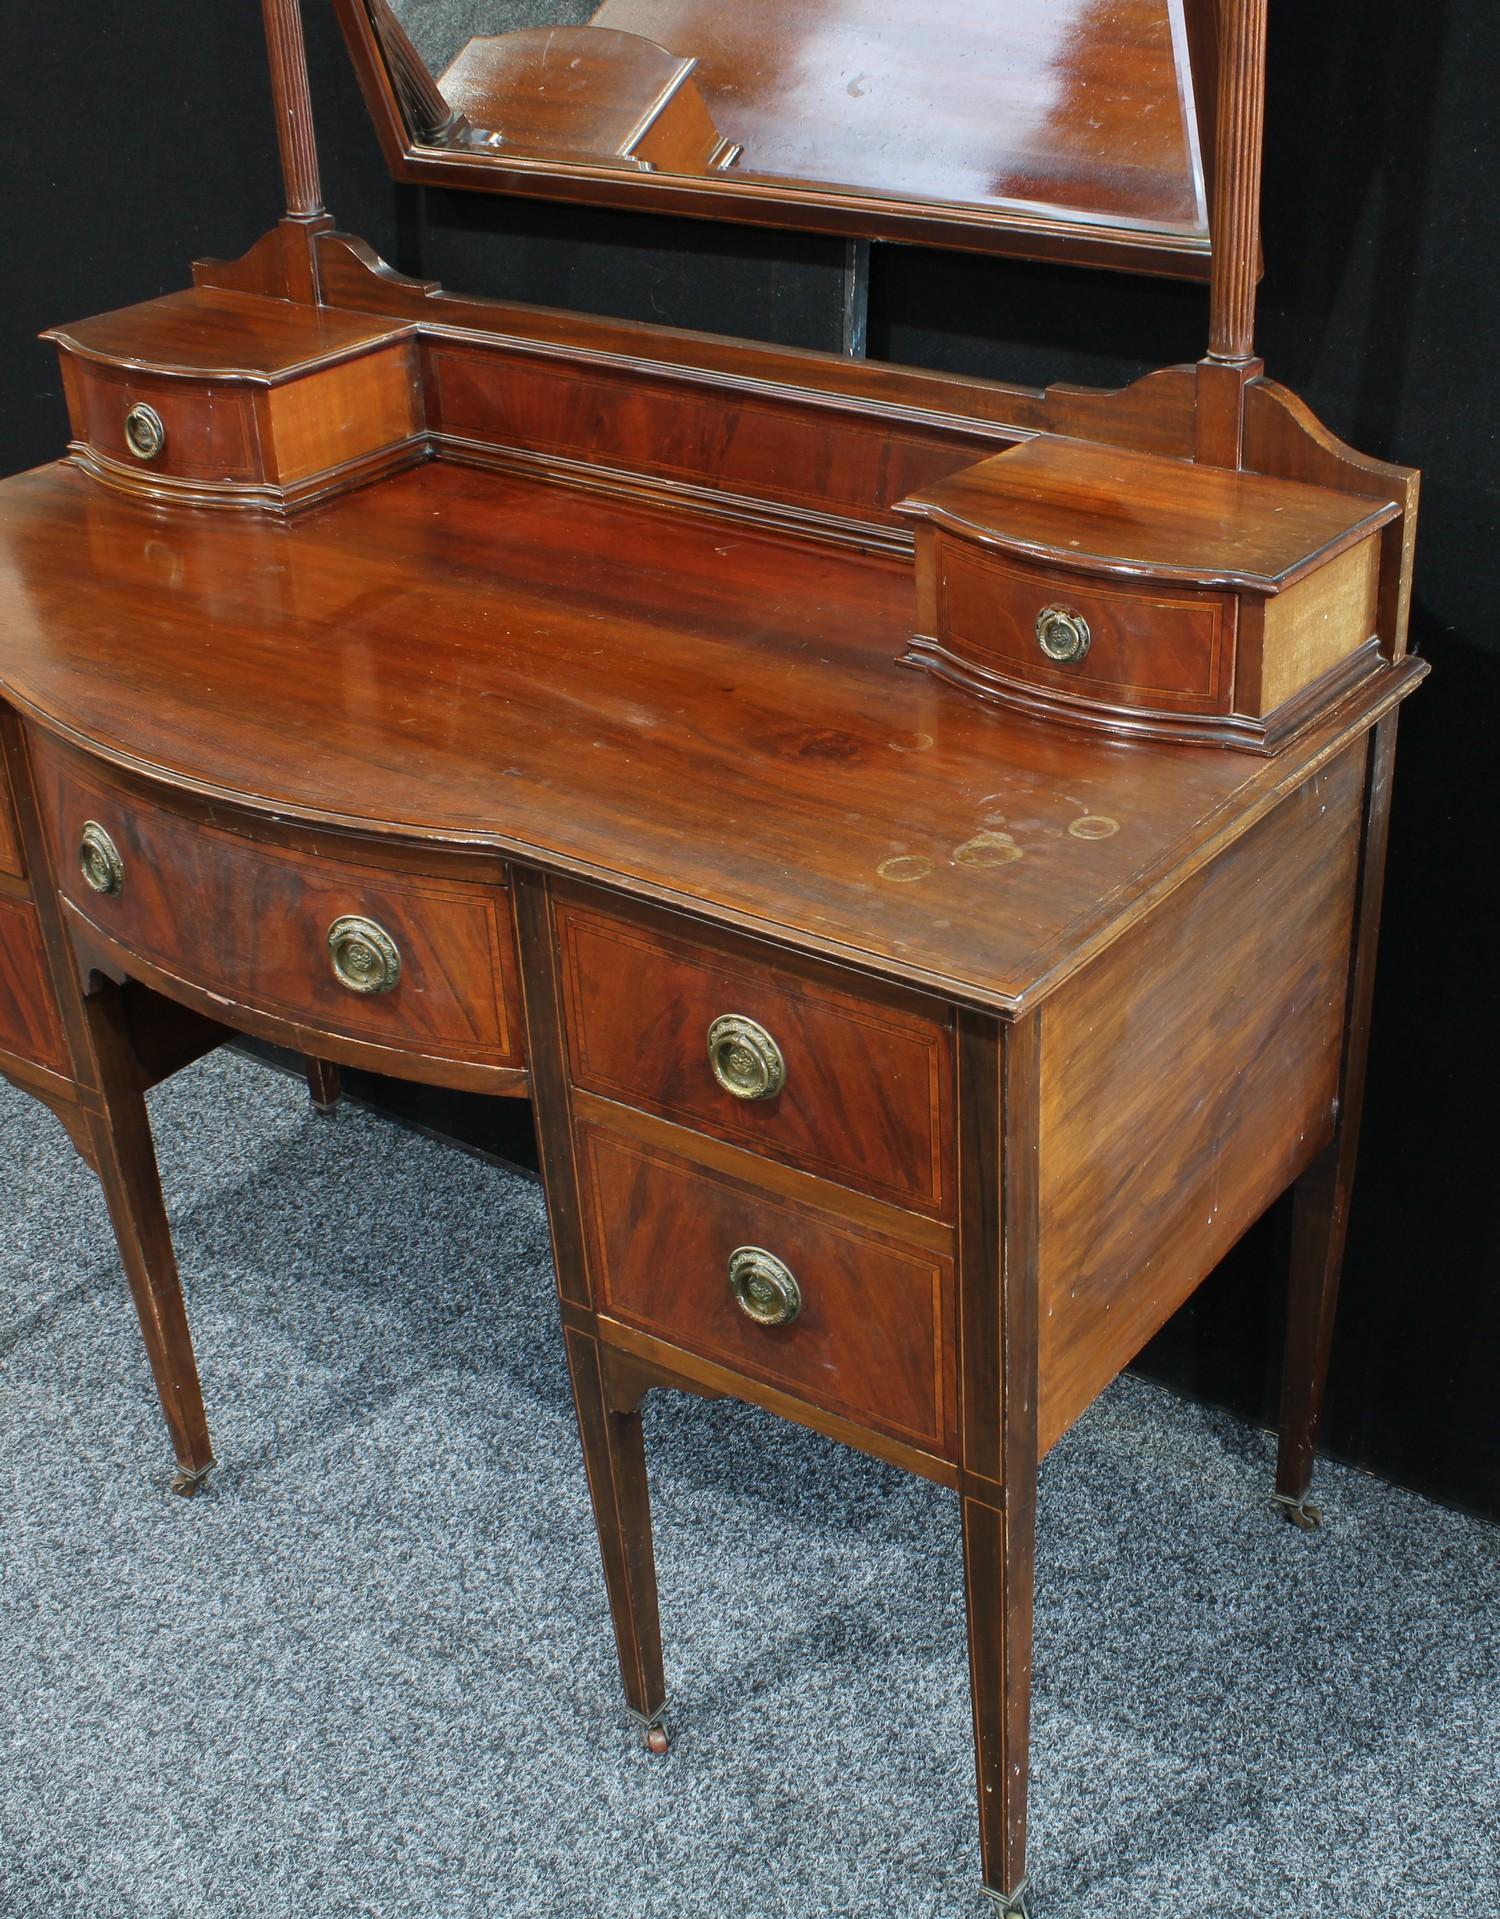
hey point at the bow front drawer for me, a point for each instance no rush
(320, 934)
(798, 1063)
(1114, 642)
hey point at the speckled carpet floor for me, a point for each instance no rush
(369, 1672)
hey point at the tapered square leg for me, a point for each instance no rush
(999, 1574)
(615, 1456)
(999, 1095)
(125, 1157)
(1320, 1215)
(1319, 1219)
(325, 1085)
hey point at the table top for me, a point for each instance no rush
(708, 715)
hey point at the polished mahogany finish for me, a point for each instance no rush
(234, 918)
(1118, 514)
(1188, 1077)
(899, 1059)
(246, 400)
(874, 1337)
(30, 1029)
(10, 846)
(798, 788)
(1149, 595)
(867, 1098)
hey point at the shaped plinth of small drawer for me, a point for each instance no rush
(213, 398)
(1146, 595)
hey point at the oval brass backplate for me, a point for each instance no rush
(144, 433)
(746, 1061)
(1062, 635)
(765, 1288)
(365, 958)
(99, 861)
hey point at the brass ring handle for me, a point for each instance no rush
(99, 861)
(144, 433)
(365, 958)
(746, 1061)
(765, 1288)
(1062, 635)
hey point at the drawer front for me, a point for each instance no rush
(1148, 648)
(10, 845)
(866, 1097)
(252, 923)
(30, 1025)
(873, 1337)
(208, 432)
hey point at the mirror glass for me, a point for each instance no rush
(1078, 113)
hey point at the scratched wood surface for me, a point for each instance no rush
(708, 714)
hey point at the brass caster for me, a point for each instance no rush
(1012, 1905)
(654, 1731)
(190, 1478)
(1304, 1516)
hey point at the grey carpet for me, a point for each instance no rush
(370, 1671)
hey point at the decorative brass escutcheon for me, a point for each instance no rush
(99, 860)
(1063, 636)
(746, 1060)
(765, 1288)
(365, 957)
(144, 433)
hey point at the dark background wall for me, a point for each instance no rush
(134, 139)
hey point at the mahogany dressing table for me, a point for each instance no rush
(917, 842)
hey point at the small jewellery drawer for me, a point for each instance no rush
(220, 398)
(30, 1026)
(1129, 645)
(829, 1311)
(303, 933)
(148, 423)
(851, 1086)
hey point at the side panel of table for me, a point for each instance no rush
(1191, 1073)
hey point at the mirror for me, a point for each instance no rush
(1065, 129)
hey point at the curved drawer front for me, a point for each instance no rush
(872, 1338)
(251, 922)
(1147, 646)
(207, 431)
(854, 1087)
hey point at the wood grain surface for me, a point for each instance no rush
(868, 1098)
(30, 1027)
(874, 1338)
(706, 714)
(1189, 1075)
(250, 922)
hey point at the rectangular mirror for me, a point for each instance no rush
(1058, 129)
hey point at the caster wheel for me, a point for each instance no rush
(1305, 1518)
(657, 1741)
(187, 1482)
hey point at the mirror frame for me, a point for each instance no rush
(1037, 234)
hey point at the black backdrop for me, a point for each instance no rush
(134, 139)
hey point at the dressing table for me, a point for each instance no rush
(917, 842)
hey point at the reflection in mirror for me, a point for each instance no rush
(1082, 110)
